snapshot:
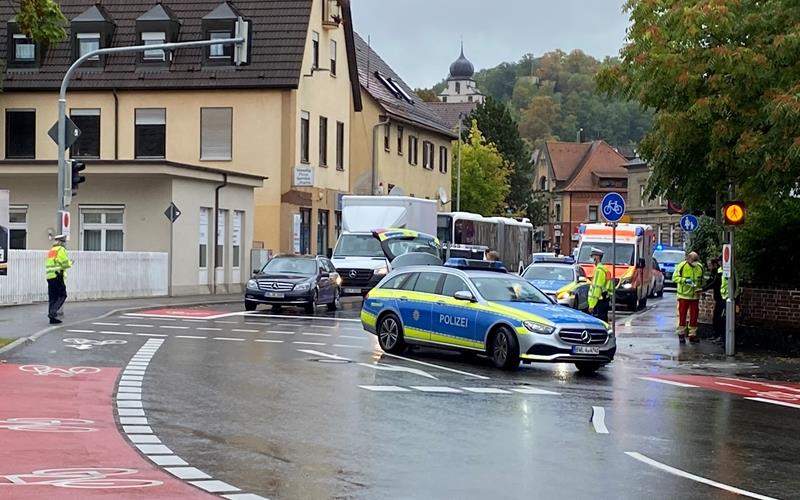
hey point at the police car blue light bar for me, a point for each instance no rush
(561, 259)
(475, 265)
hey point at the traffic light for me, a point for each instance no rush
(77, 178)
(733, 212)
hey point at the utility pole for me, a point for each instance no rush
(64, 197)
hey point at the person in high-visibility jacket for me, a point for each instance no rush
(602, 287)
(56, 269)
(688, 277)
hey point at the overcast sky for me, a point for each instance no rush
(419, 38)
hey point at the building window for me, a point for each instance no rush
(322, 232)
(216, 133)
(427, 155)
(444, 98)
(333, 57)
(18, 228)
(412, 150)
(543, 183)
(219, 251)
(203, 237)
(323, 141)
(24, 49)
(20, 134)
(151, 132)
(154, 38)
(220, 51)
(315, 49)
(236, 239)
(339, 146)
(387, 135)
(338, 223)
(558, 212)
(593, 213)
(305, 231)
(641, 195)
(469, 99)
(443, 159)
(88, 144)
(88, 42)
(102, 229)
(399, 140)
(305, 118)
(458, 87)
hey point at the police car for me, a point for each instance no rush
(476, 306)
(561, 279)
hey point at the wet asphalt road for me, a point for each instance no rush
(310, 408)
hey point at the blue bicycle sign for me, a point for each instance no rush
(689, 223)
(613, 207)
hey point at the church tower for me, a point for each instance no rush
(460, 85)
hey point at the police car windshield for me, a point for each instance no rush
(671, 256)
(291, 265)
(402, 246)
(549, 273)
(625, 253)
(357, 245)
(508, 289)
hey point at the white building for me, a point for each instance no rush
(460, 85)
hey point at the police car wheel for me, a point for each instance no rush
(504, 349)
(588, 367)
(390, 335)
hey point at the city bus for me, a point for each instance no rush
(470, 235)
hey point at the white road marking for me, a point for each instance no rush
(775, 402)
(166, 460)
(130, 412)
(349, 346)
(187, 473)
(599, 419)
(131, 377)
(269, 341)
(244, 496)
(282, 332)
(668, 382)
(116, 333)
(305, 318)
(137, 429)
(308, 343)
(229, 338)
(194, 320)
(775, 386)
(154, 449)
(732, 385)
(317, 334)
(687, 475)
(129, 404)
(132, 421)
(384, 388)
(172, 327)
(430, 388)
(210, 329)
(323, 354)
(189, 337)
(223, 322)
(106, 324)
(534, 390)
(353, 337)
(214, 486)
(151, 318)
(134, 325)
(151, 335)
(431, 365)
(392, 368)
(244, 330)
(322, 326)
(80, 331)
(486, 390)
(129, 383)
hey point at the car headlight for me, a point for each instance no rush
(302, 287)
(338, 280)
(627, 286)
(252, 284)
(381, 271)
(625, 283)
(535, 327)
(565, 295)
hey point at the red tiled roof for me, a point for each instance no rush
(579, 166)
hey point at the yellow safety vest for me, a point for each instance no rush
(601, 282)
(57, 262)
(689, 279)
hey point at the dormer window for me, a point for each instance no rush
(93, 29)
(22, 51)
(157, 26)
(220, 24)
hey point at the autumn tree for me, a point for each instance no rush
(484, 175)
(427, 95)
(42, 20)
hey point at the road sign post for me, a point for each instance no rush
(172, 213)
(613, 209)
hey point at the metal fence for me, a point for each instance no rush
(94, 275)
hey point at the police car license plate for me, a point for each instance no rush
(585, 349)
(274, 295)
(352, 290)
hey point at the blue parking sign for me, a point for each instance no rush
(613, 207)
(689, 223)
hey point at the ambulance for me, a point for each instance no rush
(634, 259)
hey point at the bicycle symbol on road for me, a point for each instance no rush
(79, 477)
(612, 207)
(37, 424)
(83, 344)
(59, 372)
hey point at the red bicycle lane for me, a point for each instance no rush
(60, 441)
(779, 393)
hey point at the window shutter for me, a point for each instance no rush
(216, 133)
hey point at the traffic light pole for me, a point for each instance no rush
(730, 302)
(64, 178)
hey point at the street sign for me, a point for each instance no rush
(689, 223)
(65, 223)
(613, 207)
(172, 212)
(72, 132)
(727, 254)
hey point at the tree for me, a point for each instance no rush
(540, 118)
(484, 175)
(427, 95)
(500, 129)
(723, 78)
(42, 20)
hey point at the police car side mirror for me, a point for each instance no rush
(464, 295)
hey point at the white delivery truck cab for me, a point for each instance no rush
(358, 256)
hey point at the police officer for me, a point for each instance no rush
(688, 277)
(602, 287)
(56, 267)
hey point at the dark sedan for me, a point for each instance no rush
(295, 280)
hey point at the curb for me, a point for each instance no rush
(23, 341)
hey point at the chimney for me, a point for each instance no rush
(579, 138)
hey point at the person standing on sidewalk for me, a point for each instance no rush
(56, 268)
(602, 287)
(688, 277)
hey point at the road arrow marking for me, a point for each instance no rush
(324, 355)
(390, 368)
